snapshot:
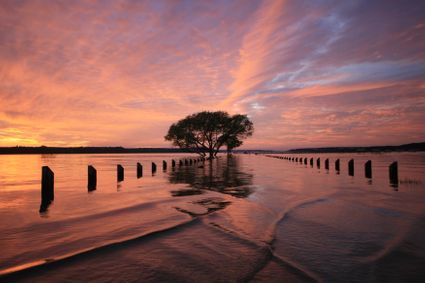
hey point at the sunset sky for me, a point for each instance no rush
(118, 73)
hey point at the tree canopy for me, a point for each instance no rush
(206, 132)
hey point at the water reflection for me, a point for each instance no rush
(223, 175)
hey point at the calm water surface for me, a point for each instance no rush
(244, 218)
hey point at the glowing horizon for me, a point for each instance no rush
(119, 73)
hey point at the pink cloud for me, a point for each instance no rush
(119, 73)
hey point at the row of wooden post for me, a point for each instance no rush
(47, 178)
(393, 168)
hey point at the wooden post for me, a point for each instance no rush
(318, 162)
(190, 161)
(351, 167)
(305, 161)
(164, 165)
(337, 165)
(120, 173)
(368, 169)
(393, 170)
(180, 163)
(173, 163)
(47, 188)
(301, 160)
(91, 178)
(327, 164)
(311, 162)
(153, 168)
(139, 170)
(186, 162)
(296, 159)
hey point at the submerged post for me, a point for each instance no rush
(139, 170)
(153, 168)
(164, 165)
(311, 162)
(327, 164)
(180, 163)
(120, 173)
(47, 188)
(368, 169)
(305, 161)
(394, 173)
(92, 178)
(318, 162)
(351, 167)
(173, 163)
(186, 162)
(190, 161)
(337, 167)
(296, 159)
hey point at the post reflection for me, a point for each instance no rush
(222, 175)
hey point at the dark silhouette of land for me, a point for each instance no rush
(91, 150)
(352, 149)
(119, 149)
(388, 148)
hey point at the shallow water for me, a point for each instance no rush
(245, 218)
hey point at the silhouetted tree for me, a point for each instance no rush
(206, 132)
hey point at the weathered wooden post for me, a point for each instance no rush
(311, 162)
(186, 162)
(393, 170)
(337, 165)
(120, 173)
(305, 161)
(368, 169)
(327, 164)
(351, 167)
(173, 163)
(47, 188)
(190, 161)
(318, 162)
(153, 168)
(296, 159)
(180, 163)
(164, 165)
(91, 178)
(139, 170)
(301, 160)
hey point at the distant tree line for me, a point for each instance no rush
(82, 150)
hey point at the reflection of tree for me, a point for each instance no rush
(222, 175)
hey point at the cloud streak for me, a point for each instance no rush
(308, 73)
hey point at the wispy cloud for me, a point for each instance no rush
(120, 72)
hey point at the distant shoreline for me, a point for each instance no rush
(412, 147)
(86, 150)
